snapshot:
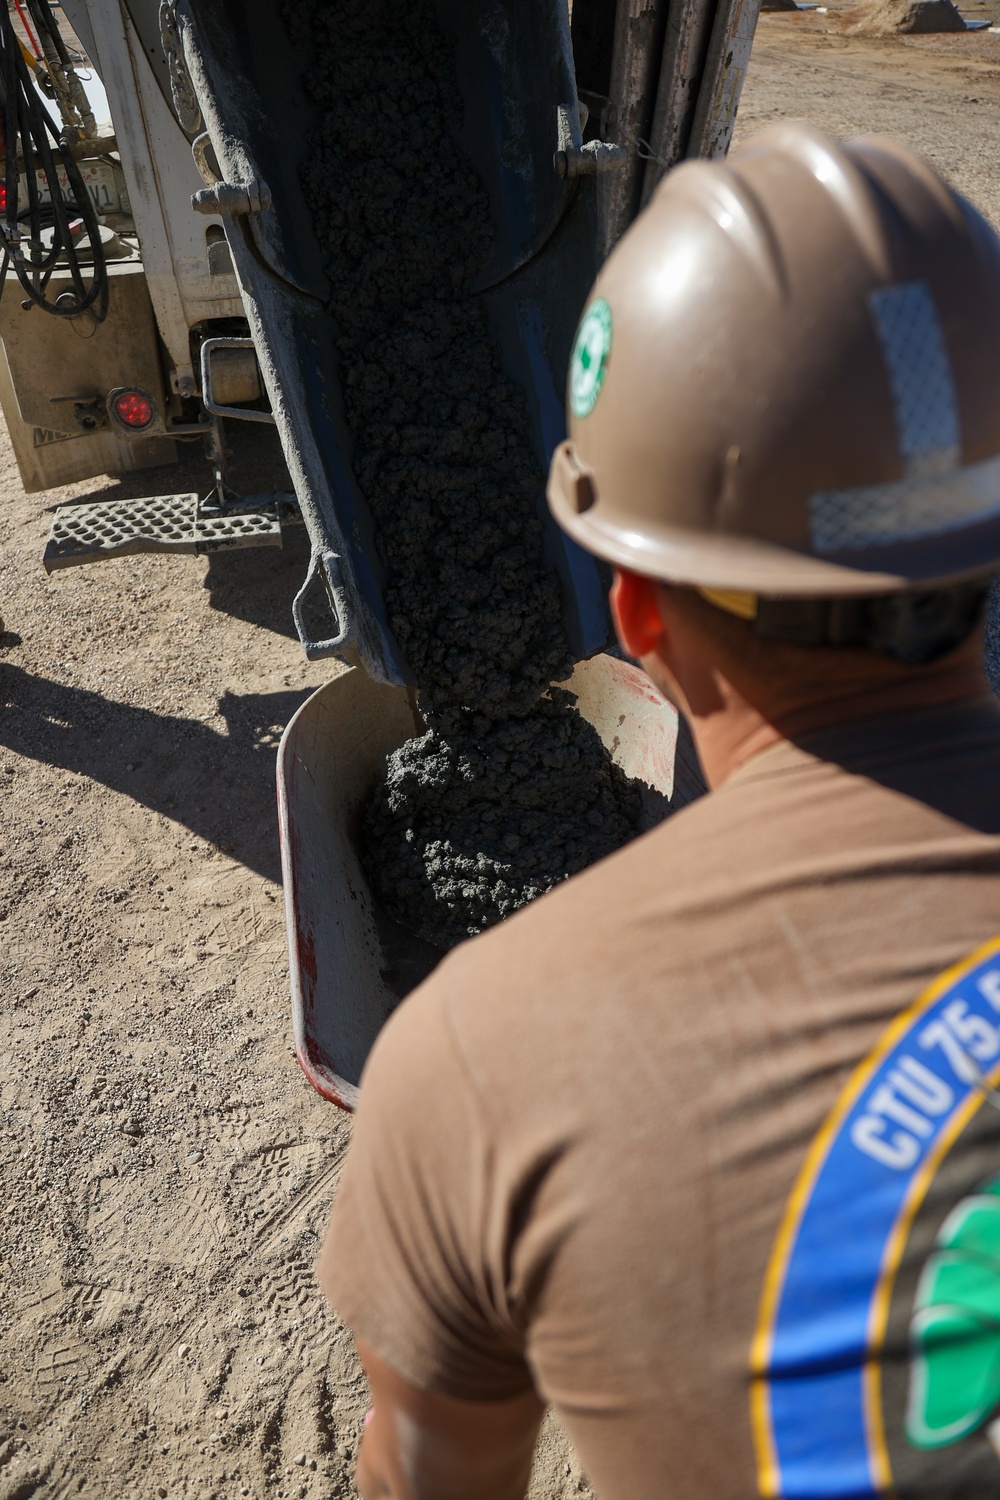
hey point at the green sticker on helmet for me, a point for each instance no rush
(590, 358)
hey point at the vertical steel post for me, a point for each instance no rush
(722, 83)
(689, 30)
(639, 30)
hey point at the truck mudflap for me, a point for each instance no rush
(515, 72)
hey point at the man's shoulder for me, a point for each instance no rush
(534, 983)
(654, 918)
(597, 903)
(601, 927)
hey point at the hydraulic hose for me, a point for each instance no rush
(35, 145)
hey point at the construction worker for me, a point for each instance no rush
(703, 1148)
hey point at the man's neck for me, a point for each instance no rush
(750, 718)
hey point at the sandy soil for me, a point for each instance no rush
(941, 95)
(166, 1171)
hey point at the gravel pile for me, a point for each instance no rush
(474, 818)
(909, 18)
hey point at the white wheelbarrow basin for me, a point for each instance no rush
(350, 964)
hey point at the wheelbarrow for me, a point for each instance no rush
(350, 963)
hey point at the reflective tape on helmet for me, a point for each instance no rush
(920, 377)
(922, 505)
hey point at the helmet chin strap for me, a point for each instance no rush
(733, 601)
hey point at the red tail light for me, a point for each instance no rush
(132, 409)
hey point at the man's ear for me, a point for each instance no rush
(635, 606)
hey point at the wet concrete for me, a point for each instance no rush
(477, 816)
(493, 819)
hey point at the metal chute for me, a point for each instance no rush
(569, 124)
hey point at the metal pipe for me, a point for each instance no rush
(722, 84)
(689, 29)
(639, 31)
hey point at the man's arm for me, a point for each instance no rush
(418, 1446)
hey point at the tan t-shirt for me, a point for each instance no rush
(712, 1108)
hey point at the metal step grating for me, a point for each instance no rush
(161, 523)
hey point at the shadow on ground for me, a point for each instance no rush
(219, 784)
(259, 584)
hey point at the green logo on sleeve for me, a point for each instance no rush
(590, 358)
(955, 1333)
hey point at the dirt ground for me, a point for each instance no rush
(939, 94)
(166, 1171)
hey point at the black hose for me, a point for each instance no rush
(33, 136)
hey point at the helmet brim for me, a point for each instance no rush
(681, 555)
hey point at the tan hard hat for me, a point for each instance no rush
(788, 378)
